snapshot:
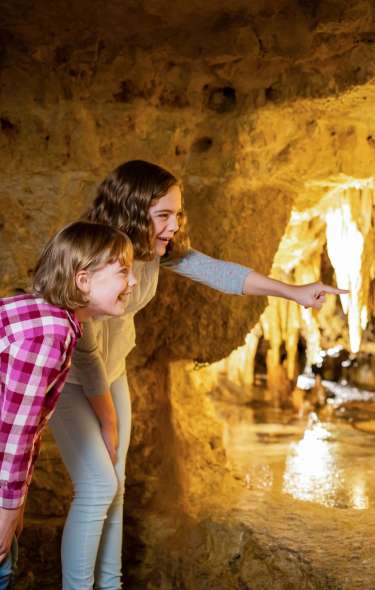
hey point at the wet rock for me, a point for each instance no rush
(361, 372)
(331, 367)
(365, 426)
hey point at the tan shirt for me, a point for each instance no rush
(100, 356)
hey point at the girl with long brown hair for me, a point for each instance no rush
(93, 419)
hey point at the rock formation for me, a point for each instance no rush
(265, 110)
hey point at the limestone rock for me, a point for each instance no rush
(252, 104)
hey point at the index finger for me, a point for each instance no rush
(334, 290)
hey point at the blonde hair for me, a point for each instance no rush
(124, 199)
(79, 246)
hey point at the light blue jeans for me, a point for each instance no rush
(92, 540)
(8, 566)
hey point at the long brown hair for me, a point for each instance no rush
(124, 199)
(78, 246)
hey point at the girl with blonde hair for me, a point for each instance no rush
(83, 271)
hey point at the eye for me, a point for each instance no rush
(163, 215)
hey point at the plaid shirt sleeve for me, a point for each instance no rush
(29, 369)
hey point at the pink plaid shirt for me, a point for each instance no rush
(36, 345)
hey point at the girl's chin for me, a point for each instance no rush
(160, 248)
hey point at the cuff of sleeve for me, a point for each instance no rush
(250, 270)
(11, 499)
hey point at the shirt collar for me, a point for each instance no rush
(76, 324)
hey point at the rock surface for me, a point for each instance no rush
(252, 105)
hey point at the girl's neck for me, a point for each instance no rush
(82, 314)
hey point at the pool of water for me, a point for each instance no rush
(309, 459)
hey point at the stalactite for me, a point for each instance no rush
(344, 220)
(297, 261)
(350, 245)
(280, 323)
(238, 367)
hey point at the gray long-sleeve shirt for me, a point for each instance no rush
(100, 355)
(227, 277)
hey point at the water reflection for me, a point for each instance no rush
(360, 499)
(311, 473)
(329, 463)
(260, 477)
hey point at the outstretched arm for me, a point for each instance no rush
(223, 276)
(236, 279)
(311, 295)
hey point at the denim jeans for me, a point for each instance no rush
(8, 567)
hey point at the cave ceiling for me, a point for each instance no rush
(291, 74)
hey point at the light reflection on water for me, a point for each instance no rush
(311, 473)
(328, 463)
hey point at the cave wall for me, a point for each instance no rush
(247, 103)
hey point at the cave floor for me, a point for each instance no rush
(309, 482)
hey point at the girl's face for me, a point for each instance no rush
(108, 289)
(165, 215)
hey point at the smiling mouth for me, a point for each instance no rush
(124, 296)
(164, 240)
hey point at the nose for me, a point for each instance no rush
(132, 281)
(173, 224)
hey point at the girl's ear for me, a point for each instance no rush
(83, 281)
